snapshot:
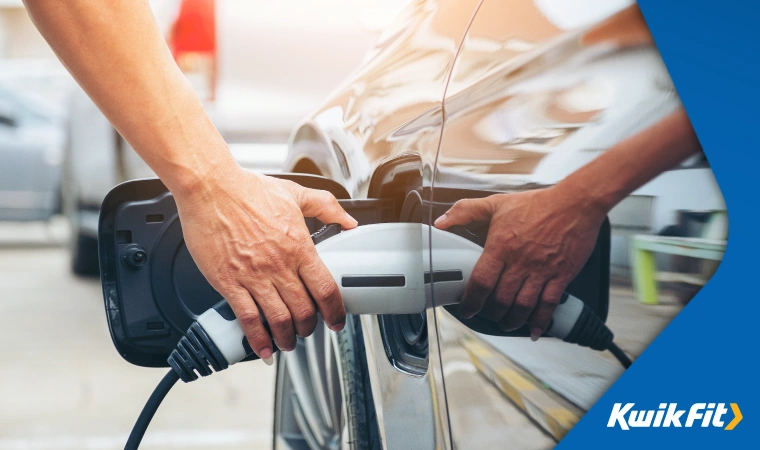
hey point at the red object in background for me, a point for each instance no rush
(193, 45)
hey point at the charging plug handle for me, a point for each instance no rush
(574, 322)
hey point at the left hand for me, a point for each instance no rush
(537, 243)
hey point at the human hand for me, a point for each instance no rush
(247, 235)
(537, 243)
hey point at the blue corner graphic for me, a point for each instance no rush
(708, 354)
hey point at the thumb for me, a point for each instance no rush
(324, 206)
(464, 212)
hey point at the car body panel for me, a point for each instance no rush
(391, 105)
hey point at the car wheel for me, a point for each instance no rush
(84, 255)
(323, 397)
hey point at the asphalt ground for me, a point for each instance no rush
(64, 386)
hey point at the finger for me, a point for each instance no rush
(465, 211)
(247, 314)
(299, 303)
(542, 316)
(320, 283)
(484, 276)
(277, 315)
(525, 303)
(503, 295)
(325, 207)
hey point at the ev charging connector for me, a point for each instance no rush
(380, 269)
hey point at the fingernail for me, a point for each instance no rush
(338, 326)
(440, 219)
(535, 334)
(266, 356)
(354, 220)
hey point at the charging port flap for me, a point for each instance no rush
(152, 289)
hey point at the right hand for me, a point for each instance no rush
(538, 241)
(247, 235)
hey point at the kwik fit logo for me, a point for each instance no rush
(668, 415)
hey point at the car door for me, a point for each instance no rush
(539, 88)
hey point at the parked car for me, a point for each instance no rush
(259, 67)
(31, 149)
(460, 99)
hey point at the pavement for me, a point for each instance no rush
(64, 386)
(581, 374)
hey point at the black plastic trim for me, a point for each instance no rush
(362, 281)
(440, 276)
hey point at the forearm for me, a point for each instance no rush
(115, 51)
(630, 164)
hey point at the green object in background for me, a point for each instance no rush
(643, 266)
(645, 275)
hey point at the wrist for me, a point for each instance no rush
(202, 180)
(583, 198)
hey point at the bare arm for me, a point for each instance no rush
(539, 240)
(245, 231)
(622, 169)
(116, 52)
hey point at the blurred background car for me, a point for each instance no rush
(31, 153)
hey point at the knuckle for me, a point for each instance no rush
(249, 319)
(550, 302)
(504, 298)
(305, 251)
(304, 314)
(481, 280)
(328, 198)
(272, 259)
(326, 290)
(307, 328)
(280, 321)
(460, 205)
(524, 303)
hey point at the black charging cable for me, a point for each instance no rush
(618, 353)
(149, 410)
(196, 353)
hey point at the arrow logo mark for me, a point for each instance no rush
(737, 417)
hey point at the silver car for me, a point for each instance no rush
(31, 149)
(462, 99)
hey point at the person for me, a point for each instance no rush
(539, 240)
(245, 231)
